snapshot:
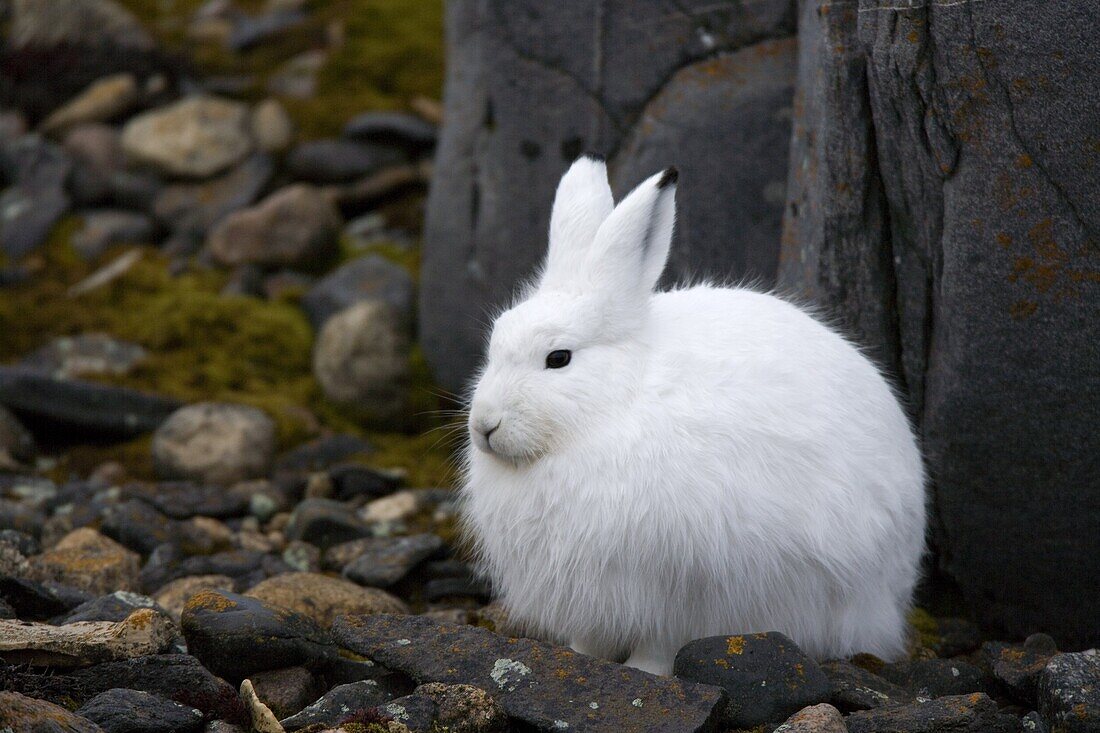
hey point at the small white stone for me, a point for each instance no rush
(636, 702)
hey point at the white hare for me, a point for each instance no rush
(648, 468)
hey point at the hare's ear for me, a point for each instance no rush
(581, 204)
(631, 247)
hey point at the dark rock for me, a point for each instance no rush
(196, 207)
(86, 354)
(464, 708)
(112, 607)
(352, 480)
(324, 523)
(930, 678)
(956, 636)
(1068, 690)
(235, 636)
(382, 561)
(245, 567)
(932, 211)
(468, 587)
(20, 517)
(365, 278)
(15, 440)
(140, 527)
(497, 164)
(1016, 667)
(376, 189)
(322, 453)
(22, 714)
(184, 499)
(974, 713)
(1033, 723)
(82, 406)
(339, 161)
(76, 23)
(534, 681)
(40, 601)
(854, 688)
(245, 280)
(285, 691)
(338, 703)
(249, 32)
(767, 676)
(104, 229)
(27, 216)
(416, 712)
(394, 129)
(214, 442)
(35, 162)
(132, 711)
(6, 610)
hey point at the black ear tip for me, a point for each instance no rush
(669, 177)
(595, 157)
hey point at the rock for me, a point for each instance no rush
(382, 561)
(249, 32)
(272, 128)
(1068, 690)
(85, 642)
(12, 125)
(337, 704)
(767, 676)
(412, 712)
(75, 23)
(23, 714)
(235, 636)
(1033, 723)
(297, 78)
(823, 718)
(13, 562)
(371, 191)
(15, 440)
(302, 556)
(215, 442)
(98, 171)
(339, 161)
(464, 708)
(103, 101)
(949, 234)
(295, 226)
(86, 354)
(140, 527)
(87, 560)
(40, 601)
(324, 523)
(115, 606)
(193, 138)
(82, 406)
(711, 86)
(193, 208)
(184, 499)
(323, 598)
(368, 278)
(361, 359)
(393, 508)
(284, 691)
(263, 720)
(1016, 667)
(974, 713)
(855, 688)
(930, 678)
(353, 481)
(396, 129)
(245, 567)
(133, 711)
(27, 216)
(108, 228)
(17, 516)
(535, 682)
(320, 454)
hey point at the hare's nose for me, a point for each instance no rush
(484, 428)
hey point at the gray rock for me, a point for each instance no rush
(940, 205)
(106, 228)
(1033, 723)
(929, 678)
(193, 208)
(15, 440)
(392, 128)
(823, 718)
(75, 23)
(542, 685)
(498, 164)
(337, 704)
(112, 607)
(184, 499)
(27, 216)
(194, 138)
(855, 688)
(371, 277)
(339, 161)
(133, 711)
(767, 677)
(217, 443)
(296, 226)
(1017, 667)
(383, 561)
(22, 714)
(252, 31)
(324, 523)
(1069, 692)
(958, 714)
(87, 354)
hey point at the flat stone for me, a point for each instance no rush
(245, 567)
(324, 523)
(235, 636)
(133, 711)
(855, 688)
(380, 562)
(822, 718)
(86, 642)
(370, 277)
(974, 713)
(185, 499)
(337, 704)
(392, 128)
(87, 560)
(193, 138)
(339, 161)
(323, 598)
(219, 443)
(22, 714)
(353, 481)
(1068, 691)
(102, 101)
(537, 683)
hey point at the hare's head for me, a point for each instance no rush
(569, 355)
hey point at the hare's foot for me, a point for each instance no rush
(652, 659)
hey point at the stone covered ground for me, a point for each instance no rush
(225, 489)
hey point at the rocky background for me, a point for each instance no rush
(225, 466)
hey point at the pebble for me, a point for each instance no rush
(382, 561)
(174, 595)
(324, 523)
(102, 101)
(821, 718)
(323, 598)
(339, 161)
(285, 691)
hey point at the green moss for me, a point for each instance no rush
(928, 630)
(406, 256)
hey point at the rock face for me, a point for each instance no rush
(545, 686)
(600, 88)
(939, 204)
(219, 443)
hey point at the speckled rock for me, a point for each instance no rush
(323, 598)
(86, 354)
(338, 703)
(974, 713)
(537, 683)
(195, 137)
(133, 711)
(855, 688)
(175, 595)
(102, 101)
(1068, 690)
(1016, 667)
(235, 636)
(930, 678)
(382, 561)
(87, 560)
(823, 718)
(464, 708)
(86, 642)
(766, 675)
(22, 714)
(215, 442)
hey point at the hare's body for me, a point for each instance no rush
(747, 470)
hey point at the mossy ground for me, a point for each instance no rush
(391, 52)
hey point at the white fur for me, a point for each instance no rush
(712, 461)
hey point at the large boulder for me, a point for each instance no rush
(942, 203)
(704, 86)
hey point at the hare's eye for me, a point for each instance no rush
(558, 359)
